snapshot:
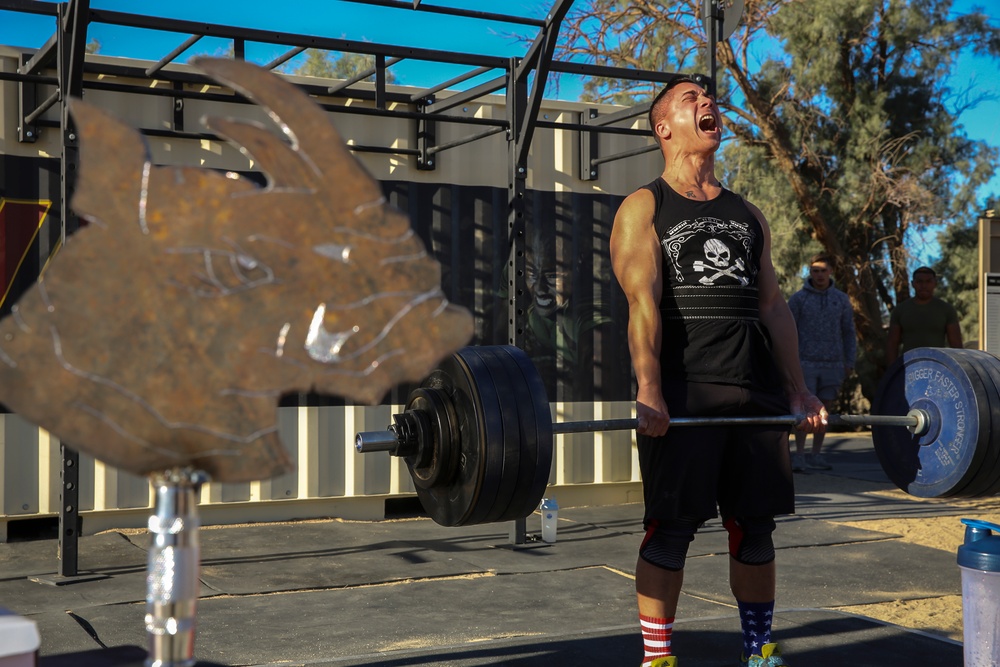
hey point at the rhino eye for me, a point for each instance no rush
(213, 272)
(246, 262)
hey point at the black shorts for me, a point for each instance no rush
(696, 472)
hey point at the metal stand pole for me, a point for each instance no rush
(69, 512)
(69, 526)
(715, 32)
(519, 531)
(172, 583)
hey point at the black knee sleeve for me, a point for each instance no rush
(666, 544)
(750, 539)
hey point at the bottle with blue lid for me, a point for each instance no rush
(979, 561)
(550, 519)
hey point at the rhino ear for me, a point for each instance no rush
(283, 166)
(113, 159)
(307, 127)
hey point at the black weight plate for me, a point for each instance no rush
(989, 471)
(993, 365)
(527, 436)
(943, 460)
(449, 504)
(493, 434)
(542, 422)
(503, 453)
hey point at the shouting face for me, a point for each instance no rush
(691, 116)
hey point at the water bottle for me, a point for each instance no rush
(550, 515)
(979, 561)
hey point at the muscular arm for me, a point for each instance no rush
(776, 316)
(636, 260)
(953, 332)
(850, 338)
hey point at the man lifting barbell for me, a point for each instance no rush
(477, 435)
(706, 342)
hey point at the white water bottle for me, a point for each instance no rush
(550, 515)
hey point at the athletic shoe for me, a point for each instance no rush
(798, 462)
(669, 661)
(770, 656)
(818, 462)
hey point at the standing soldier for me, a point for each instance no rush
(827, 348)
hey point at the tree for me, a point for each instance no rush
(845, 134)
(325, 64)
(958, 274)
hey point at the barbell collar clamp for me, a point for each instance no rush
(409, 435)
(402, 438)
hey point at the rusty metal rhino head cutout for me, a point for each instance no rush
(165, 331)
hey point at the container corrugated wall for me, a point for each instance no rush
(330, 479)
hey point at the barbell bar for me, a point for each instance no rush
(477, 434)
(916, 421)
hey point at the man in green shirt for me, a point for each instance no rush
(923, 320)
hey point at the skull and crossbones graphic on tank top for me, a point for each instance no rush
(709, 251)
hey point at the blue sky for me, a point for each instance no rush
(333, 18)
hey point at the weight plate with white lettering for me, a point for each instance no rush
(946, 458)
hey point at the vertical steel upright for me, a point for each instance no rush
(71, 36)
(522, 114)
(714, 15)
(517, 179)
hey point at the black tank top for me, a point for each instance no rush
(710, 304)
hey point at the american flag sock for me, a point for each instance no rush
(655, 637)
(755, 619)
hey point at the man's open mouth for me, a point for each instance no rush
(707, 123)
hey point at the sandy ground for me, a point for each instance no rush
(939, 615)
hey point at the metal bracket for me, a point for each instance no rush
(380, 79)
(588, 147)
(29, 110)
(178, 109)
(426, 137)
(27, 132)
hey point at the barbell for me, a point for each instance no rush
(477, 434)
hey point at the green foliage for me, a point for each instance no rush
(745, 170)
(327, 65)
(317, 63)
(958, 274)
(93, 46)
(228, 51)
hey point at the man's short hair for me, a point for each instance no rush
(823, 257)
(656, 107)
(925, 269)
